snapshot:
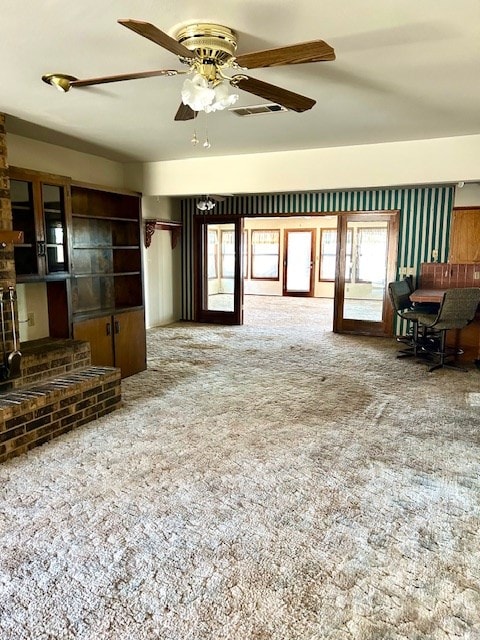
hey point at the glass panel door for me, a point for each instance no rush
(39, 210)
(219, 283)
(298, 276)
(366, 259)
(220, 267)
(23, 219)
(366, 271)
(54, 215)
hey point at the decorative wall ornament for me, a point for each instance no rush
(164, 225)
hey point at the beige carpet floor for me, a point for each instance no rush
(267, 482)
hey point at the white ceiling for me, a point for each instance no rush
(405, 70)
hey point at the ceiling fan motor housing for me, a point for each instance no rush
(213, 44)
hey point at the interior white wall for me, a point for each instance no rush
(162, 266)
(49, 158)
(438, 161)
(32, 298)
(468, 195)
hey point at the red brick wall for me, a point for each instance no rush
(7, 262)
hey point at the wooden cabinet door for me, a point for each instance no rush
(130, 345)
(465, 236)
(41, 209)
(99, 333)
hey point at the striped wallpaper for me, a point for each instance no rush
(425, 214)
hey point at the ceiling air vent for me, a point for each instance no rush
(257, 109)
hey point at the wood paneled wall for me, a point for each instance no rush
(449, 276)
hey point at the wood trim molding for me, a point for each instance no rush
(163, 225)
(18, 173)
(100, 187)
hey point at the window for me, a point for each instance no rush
(348, 256)
(212, 257)
(245, 254)
(265, 255)
(228, 254)
(328, 254)
(371, 252)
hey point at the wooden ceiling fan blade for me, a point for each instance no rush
(151, 32)
(288, 99)
(185, 112)
(314, 51)
(124, 76)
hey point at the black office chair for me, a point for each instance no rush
(457, 310)
(399, 292)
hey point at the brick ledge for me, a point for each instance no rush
(36, 413)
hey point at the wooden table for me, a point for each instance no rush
(427, 295)
(467, 339)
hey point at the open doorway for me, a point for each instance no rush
(299, 262)
(296, 257)
(218, 273)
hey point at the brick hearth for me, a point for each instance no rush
(35, 414)
(58, 391)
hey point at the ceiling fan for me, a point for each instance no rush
(208, 50)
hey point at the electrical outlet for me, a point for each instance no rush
(31, 319)
(476, 275)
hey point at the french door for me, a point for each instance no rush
(298, 262)
(218, 269)
(366, 262)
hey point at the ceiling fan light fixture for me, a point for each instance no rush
(60, 81)
(223, 99)
(199, 95)
(205, 205)
(196, 93)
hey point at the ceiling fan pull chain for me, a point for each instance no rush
(206, 144)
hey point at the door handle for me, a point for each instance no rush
(117, 326)
(108, 329)
(40, 248)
